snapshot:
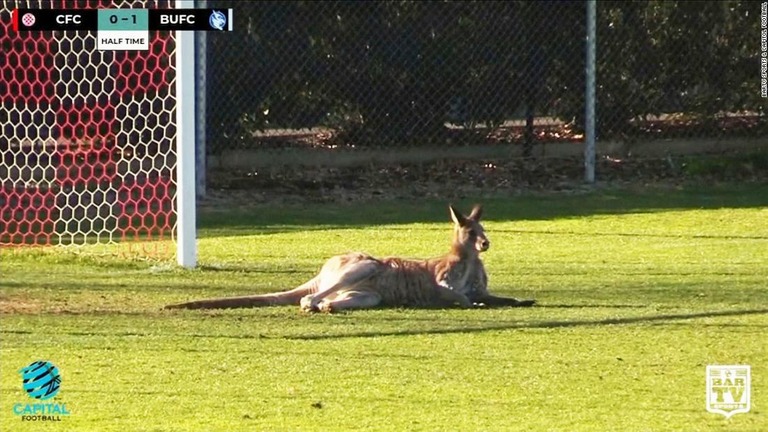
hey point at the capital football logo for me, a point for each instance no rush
(41, 380)
(728, 389)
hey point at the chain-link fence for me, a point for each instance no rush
(386, 85)
(340, 99)
(679, 70)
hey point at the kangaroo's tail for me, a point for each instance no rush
(291, 297)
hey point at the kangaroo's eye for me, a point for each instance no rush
(472, 232)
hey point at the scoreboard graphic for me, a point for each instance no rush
(122, 29)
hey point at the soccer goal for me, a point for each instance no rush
(97, 146)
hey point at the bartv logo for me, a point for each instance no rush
(41, 380)
(728, 389)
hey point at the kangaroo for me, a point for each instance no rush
(359, 281)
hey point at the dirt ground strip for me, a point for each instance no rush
(456, 179)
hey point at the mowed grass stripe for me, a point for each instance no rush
(638, 293)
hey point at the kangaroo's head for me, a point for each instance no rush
(468, 234)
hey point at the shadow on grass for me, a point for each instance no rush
(597, 306)
(633, 235)
(271, 219)
(661, 319)
(538, 325)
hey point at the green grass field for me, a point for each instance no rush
(638, 292)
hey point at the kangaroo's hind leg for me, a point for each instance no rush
(351, 300)
(335, 280)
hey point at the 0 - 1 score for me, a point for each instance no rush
(114, 19)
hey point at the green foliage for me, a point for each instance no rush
(398, 71)
(670, 56)
(638, 293)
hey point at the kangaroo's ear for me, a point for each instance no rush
(477, 213)
(457, 217)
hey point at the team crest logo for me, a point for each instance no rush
(217, 20)
(728, 389)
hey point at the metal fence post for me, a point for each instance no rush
(201, 165)
(589, 114)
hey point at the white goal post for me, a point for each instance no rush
(186, 217)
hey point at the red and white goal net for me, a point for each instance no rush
(87, 149)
